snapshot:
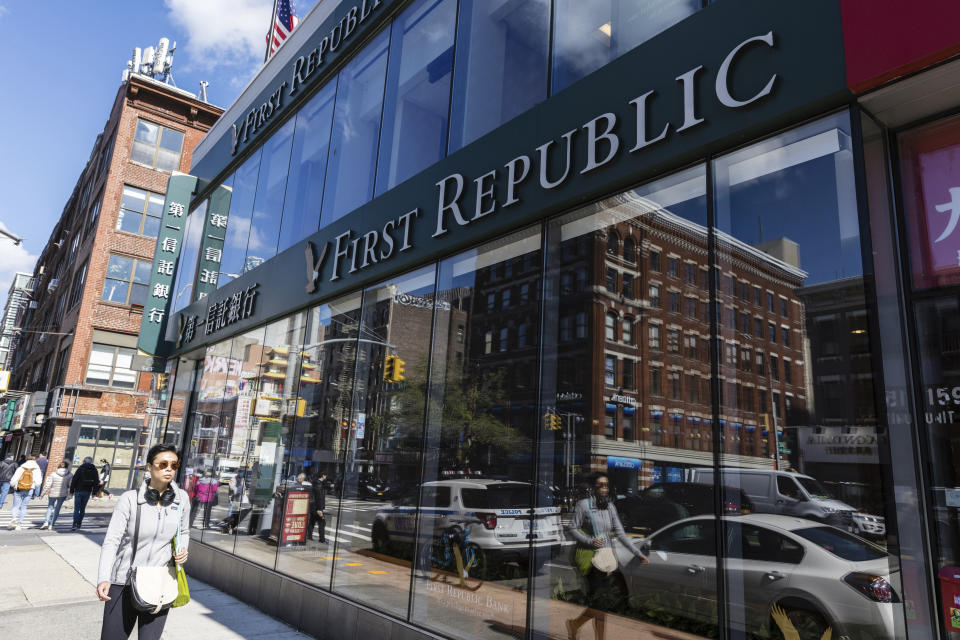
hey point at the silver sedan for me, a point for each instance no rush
(820, 576)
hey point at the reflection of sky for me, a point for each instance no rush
(799, 203)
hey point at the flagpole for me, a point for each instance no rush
(273, 23)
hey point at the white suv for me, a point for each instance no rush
(495, 514)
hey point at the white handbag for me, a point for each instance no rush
(604, 559)
(152, 589)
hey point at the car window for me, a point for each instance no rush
(497, 496)
(814, 488)
(694, 538)
(787, 487)
(751, 542)
(841, 544)
(655, 492)
(436, 496)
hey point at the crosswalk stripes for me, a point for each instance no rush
(37, 511)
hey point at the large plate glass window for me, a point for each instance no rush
(590, 33)
(381, 442)
(627, 421)
(268, 206)
(800, 430)
(315, 445)
(308, 167)
(352, 165)
(417, 100)
(477, 496)
(501, 67)
(238, 223)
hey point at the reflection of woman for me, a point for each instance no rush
(595, 520)
(206, 496)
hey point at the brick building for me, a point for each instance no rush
(79, 330)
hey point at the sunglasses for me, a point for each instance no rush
(163, 464)
(603, 484)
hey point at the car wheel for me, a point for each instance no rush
(379, 537)
(807, 622)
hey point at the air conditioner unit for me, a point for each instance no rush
(53, 284)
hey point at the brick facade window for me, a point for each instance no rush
(156, 147)
(111, 366)
(127, 280)
(140, 212)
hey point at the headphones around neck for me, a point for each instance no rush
(152, 496)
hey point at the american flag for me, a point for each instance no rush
(284, 22)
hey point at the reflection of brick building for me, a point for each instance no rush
(91, 280)
(635, 304)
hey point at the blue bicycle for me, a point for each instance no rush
(453, 553)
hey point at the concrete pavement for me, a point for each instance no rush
(49, 580)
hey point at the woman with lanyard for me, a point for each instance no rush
(140, 534)
(595, 519)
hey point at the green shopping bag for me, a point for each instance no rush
(183, 589)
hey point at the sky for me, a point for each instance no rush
(61, 71)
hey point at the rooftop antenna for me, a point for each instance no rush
(156, 63)
(203, 90)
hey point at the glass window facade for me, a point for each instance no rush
(435, 446)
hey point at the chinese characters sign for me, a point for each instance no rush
(165, 258)
(931, 178)
(211, 244)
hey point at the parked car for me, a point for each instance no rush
(795, 494)
(361, 486)
(495, 513)
(820, 575)
(659, 505)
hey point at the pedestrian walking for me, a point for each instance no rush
(56, 488)
(85, 482)
(135, 538)
(207, 488)
(42, 463)
(7, 467)
(595, 524)
(25, 482)
(104, 479)
(318, 500)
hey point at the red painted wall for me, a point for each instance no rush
(885, 39)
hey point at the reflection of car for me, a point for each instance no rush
(362, 486)
(820, 575)
(661, 504)
(496, 513)
(227, 470)
(795, 494)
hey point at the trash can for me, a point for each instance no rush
(950, 597)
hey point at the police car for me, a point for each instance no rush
(496, 515)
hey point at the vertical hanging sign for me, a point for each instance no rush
(166, 256)
(211, 245)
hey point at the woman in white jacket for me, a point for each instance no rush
(164, 508)
(56, 488)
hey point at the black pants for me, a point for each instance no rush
(314, 521)
(119, 616)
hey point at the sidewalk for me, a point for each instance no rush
(49, 582)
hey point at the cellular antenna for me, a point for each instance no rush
(152, 62)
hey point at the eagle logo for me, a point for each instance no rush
(314, 266)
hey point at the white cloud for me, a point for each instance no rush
(3, 11)
(223, 33)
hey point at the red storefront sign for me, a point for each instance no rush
(295, 517)
(930, 160)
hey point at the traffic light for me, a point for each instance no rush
(398, 369)
(551, 422)
(389, 368)
(162, 379)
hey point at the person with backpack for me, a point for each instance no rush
(84, 482)
(7, 467)
(56, 488)
(26, 481)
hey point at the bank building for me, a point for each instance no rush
(449, 261)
